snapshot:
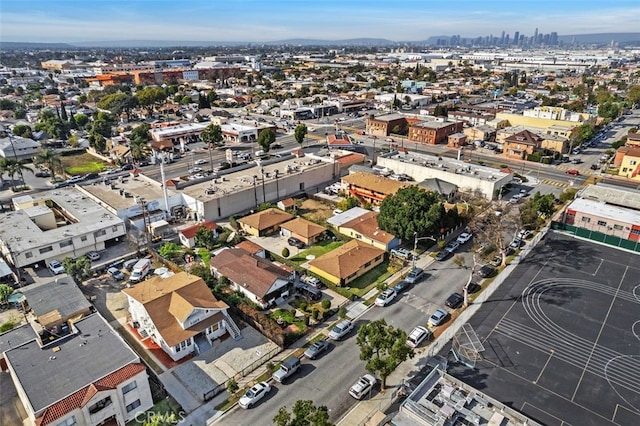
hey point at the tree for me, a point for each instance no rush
(488, 228)
(171, 251)
(81, 119)
(63, 112)
(16, 167)
(300, 133)
(118, 103)
(212, 134)
(140, 132)
(205, 237)
(51, 159)
(609, 110)
(139, 149)
(411, 210)
(633, 95)
(266, 138)
(79, 269)
(348, 203)
(150, 97)
(97, 142)
(383, 347)
(5, 292)
(303, 413)
(22, 130)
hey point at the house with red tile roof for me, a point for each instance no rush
(187, 235)
(89, 377)
(259, 279)
(179, 313)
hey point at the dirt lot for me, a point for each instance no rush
(315, 210)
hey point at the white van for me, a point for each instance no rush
(140, 270)
(260, 153)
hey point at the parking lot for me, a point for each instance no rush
(561, 336)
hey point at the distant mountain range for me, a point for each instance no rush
(604, 38)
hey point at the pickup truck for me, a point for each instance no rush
(287, 368)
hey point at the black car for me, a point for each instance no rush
(126, 167)
(91, 176)
(443, 255)
(473, 287)
(454, 301)
(401, 286)
(295, 242)
(486, 271)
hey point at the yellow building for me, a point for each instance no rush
(543, 123)
(630, 162)
(347, 262)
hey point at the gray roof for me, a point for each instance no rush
(16, 337)
(92, 353)
(62, 295)
(611, 194)
(438, 185)
(344, 217)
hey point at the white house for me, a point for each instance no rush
(17, 146)
(188, 235)
(179, 313)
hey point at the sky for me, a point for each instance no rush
(273, 20)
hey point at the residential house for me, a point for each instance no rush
(347, 262)
(633, 139)
(259, 279)
(179, 313)
(521, 145)
(252, 248)
(433, 132)
(457, 140)
(187, 235)
(370, 188)
(89, 377)
(12, 147)
(264, 222)
(483, 133)
(627, 159)
(302, 229)
(287, 204)
(362, 224)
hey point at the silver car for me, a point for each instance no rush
(340, 330)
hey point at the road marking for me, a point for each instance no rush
(595, 343)
(598, 268)
(544, 367)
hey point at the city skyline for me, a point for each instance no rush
(258, 21)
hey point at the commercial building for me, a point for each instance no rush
(54, 225)
(383, 125)
(433, 132)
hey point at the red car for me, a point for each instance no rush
(572, 172)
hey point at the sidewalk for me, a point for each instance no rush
(363, 413)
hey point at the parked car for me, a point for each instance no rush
(418, 335)
(363, 386)
(452, 246)
(316, 349)
(473, 287)
(313, 282)
(386, 297)
(55, 267)
(496, 261)
(93, 255)
(126, 167)
(401, 286)
(516, 243)
(486, 271)
(295, 242)
(443, 255)
(129, 264)
(454, 301)
(524, 234)
(464, 237)
(402, 253)
(116, 273)
(194, 170)
(415, 275)
(287, 368)
(438, 317)
(340, 330)
(255, 394)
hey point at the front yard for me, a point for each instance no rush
(82, 164)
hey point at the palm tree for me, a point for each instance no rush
(4, 167)
(139, 148)
(17, 167)
(51, 159)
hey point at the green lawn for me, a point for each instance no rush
(165, 408)
(82, 164)
(363, 284)
(316, 251)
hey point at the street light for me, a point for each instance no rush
(415, 246)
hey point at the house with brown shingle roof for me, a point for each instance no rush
(252, 248)
(259, 279)
(302, 229)
(89, 377)
(347, 262)
(522, 144)
(365, 228)
(370, 188)
(179, 313)
(188, 235)
(264, 222)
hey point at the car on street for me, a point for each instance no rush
(464, 237)
(316, 349)
(443, 255)
(386, 297)
(438, 317)
(401, 286)
(194, 170)
(43, 173)
(454, 301)
(255, 394)
(418, 335)
(116, 273)
(572, 172)
(363, 386)
(74, 179)
(452, 246)
(93, 255)
(486, 271)
(200, 162)
(594, 167)
(295, 242)
(415, 275)
(402, 253)
(340, 330)
(55, 267)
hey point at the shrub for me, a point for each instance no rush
(233, 222)
(303, 306)
(9, 325)
(271, 366)
(232, 386)
(285, 252)
(326, 304)
(342, 312)
(315, 314)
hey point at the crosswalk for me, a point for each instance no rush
(554, 183)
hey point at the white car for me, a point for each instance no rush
(56, 267)
(340, 330)
(417, 335)
(363, 386)
(464, 237)
(200, 162)
(254, 395)
(386, 297)
(195, 170)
